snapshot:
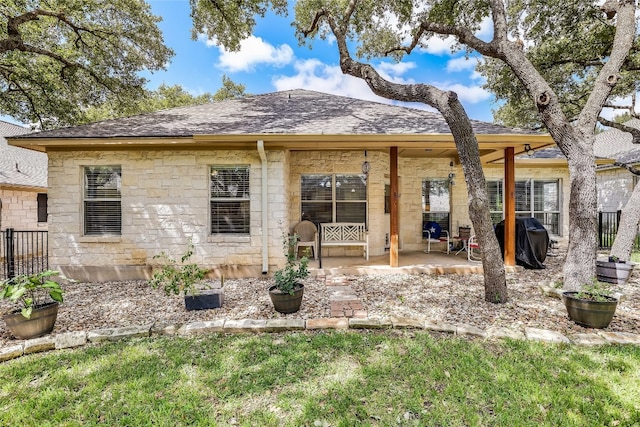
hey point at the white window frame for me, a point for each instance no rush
(92, 230)
(244, 197)
(531, 202)
(334, 200)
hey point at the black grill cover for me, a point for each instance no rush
(532, 241)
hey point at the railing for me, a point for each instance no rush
(608, 228)
(23, 252)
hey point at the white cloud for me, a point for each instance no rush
(461, 64)
(312, 74)
(439, 46)
(486, 29)
(469, 94)
(253, 51)
(396, 69)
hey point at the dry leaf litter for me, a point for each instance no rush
(455, 299)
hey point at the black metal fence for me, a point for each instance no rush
(607, 229)
(23, 252)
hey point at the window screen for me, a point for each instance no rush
(102, 200)
(230, 204)
(333, 198)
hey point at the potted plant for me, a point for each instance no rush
(286, 294)
(614, 270)
(187, 279)
(38, 298)
(593, 306)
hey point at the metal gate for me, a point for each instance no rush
(23, 252)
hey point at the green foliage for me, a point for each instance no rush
(30, 291)
(175, 278)
(161, 99)
(60, 57)
(230, 22)
(294, 271)
(568, 43)
(595, 291)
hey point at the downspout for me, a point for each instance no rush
(264, 210)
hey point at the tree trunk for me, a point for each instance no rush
(579, 267)
(628, 227)
(495, 285)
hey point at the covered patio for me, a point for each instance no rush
(409, 262)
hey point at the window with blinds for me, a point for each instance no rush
(333, 198)
(102, 200)
(538, 198)
(436, 202)
(230, 204)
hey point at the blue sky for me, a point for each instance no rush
(271, 60)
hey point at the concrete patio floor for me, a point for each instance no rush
(409, 262)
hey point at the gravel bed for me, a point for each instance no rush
(446, 298)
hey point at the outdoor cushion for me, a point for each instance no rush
(432, 228)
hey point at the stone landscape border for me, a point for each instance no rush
(80, 338)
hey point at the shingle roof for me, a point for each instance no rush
(618, 145)
(19, 166)
(288, 112)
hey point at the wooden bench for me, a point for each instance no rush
(345, 234)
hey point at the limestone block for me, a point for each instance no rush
(245, 326)
(534, 334)
(115, 334)
(281, 325)
(38, 345)
(204, 327)
(70, 339)
(12, 352)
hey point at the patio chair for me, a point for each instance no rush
(433, 233)
(472, 245)
(307, 234)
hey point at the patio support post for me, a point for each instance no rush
(509, 207)
(393, 249)
(265, 209)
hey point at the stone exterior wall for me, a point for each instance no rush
(20, 210)
(344, 162)
(614, 189)
(165, 202)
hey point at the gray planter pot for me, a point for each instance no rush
(613, 272)
(588, 313)
(204, 299)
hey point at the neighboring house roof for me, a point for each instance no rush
(20, 167)
(295, 112)
(618, 145)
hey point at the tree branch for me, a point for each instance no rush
(635, 132)
(607, 77)
(630, 168)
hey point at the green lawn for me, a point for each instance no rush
(324, 379)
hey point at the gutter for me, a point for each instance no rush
(264, 209)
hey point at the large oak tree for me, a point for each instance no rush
(396, 28)
(58, 57)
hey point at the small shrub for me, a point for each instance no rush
(30, 291)
(175, 278)
(290, 275)
(595, 291)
